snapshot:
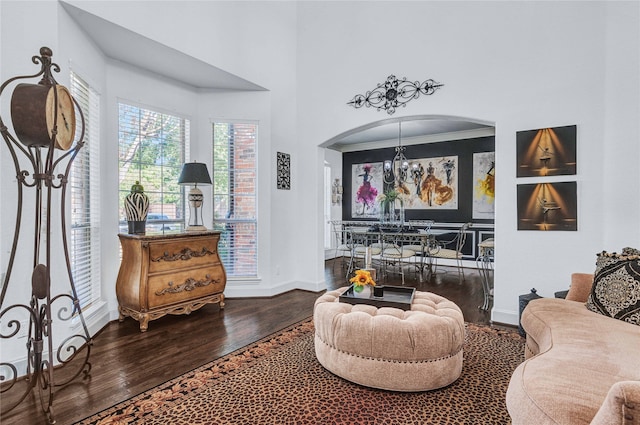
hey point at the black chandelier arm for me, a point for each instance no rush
(394, 93)
(388, 177)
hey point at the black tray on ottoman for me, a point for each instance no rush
(393, 296)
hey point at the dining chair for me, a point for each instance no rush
(363, 240)
(451, 249)
(396, 252)
(421, 241)
(344, 243)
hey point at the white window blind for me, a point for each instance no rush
(235, 196)
(152, 149)
(84, 187)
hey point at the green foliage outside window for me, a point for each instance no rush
(152, 151)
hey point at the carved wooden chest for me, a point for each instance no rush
(168, 274)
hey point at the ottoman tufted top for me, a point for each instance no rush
(433, 329)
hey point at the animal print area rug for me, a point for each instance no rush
(278, 380)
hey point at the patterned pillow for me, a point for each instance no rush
(616, 286)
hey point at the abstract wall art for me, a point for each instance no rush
(366, 185)
(450, 189)
(432, 183)
(546, 152)
(484, 172)
(548, 206)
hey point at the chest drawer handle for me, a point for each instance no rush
(189, 285)
(185, 254)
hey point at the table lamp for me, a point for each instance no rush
(194, 173)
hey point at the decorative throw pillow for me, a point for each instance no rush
(616, 286)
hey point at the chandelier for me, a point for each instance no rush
(396, 170)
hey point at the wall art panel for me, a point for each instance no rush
(432, 183)
(546, 152)
(548, 206)
(366, 185)
(484, 172)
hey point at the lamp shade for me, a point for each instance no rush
(194, 173)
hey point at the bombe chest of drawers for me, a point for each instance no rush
(168, 274)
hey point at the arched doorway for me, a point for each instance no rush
(415, 129)
(424, 136)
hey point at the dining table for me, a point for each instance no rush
(405, 238)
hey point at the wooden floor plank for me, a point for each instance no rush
(126, 362)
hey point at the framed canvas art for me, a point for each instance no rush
(432, 183)
(548, 206)
(546, 152)
(366, 185)
(484, 172)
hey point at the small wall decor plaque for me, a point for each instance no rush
(394, 93)
(284, 171)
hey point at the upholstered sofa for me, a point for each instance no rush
(580, 367)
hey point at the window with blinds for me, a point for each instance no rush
(152, 149)
(235, 196)
(84, 188)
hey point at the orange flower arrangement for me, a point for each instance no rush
(361, 279)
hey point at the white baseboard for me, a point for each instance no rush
(244, 290)
(96, 318)
(330, 254)
(508, 317)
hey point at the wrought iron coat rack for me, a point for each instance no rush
(40, 175)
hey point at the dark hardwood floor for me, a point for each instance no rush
(126, 362)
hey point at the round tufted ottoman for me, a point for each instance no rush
(389, 348)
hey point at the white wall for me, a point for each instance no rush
(19, 44)
(621, 144)
(521, 65)
(256, 40)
